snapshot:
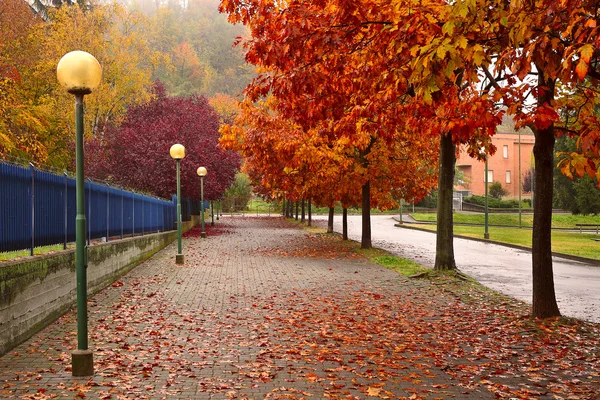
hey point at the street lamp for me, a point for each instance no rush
(177, 152)
(80, 73)
(486, 234)
(520, 210)
(202, 173)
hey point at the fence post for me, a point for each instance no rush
(143, 219)
(32, 169)
(133, 215)
(107, 211)
(122, 221)
(66, 209)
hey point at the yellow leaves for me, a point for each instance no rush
(448, 28)
(587, 52)
(479, 55)
(462, 42)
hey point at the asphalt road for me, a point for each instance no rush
(501, 268)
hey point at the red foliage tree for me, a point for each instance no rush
(136, 153)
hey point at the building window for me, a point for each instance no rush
(490, 176)
(507, 176)
(505, 149)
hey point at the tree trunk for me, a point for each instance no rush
(283, 207)
(297, 210)
(309, 212)
(290, 209)
(444, 250)
(345, 224)
(365, 242)
(544, 297)
(303, 212)
(330, 220)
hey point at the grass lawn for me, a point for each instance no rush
(262, 207)
(577, 244)
(558, 220)
(11, 255)
(400, 265)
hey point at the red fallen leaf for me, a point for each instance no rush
(117, 284)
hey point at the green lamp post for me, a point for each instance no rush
(486, 234)
(80, 73)
(177, 152)
(202, 173)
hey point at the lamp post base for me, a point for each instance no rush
(486, 235)
(82, 363)
(203, 234)
(179, 259)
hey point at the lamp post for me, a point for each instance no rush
(177, 152)
(400, 222)
(80, 73)
(520, 210)
(202, 173)
(486, 234)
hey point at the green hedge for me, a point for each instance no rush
(496, 203)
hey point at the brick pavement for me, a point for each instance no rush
(261, 309)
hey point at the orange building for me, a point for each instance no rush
(503, 166)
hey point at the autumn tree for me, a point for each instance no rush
(550, 51)
(40, 119)
(23, 123)
(135, 153)
(226, 106)
(374, 67)
(218, 67)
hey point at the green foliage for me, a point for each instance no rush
(564, 193)
(492, 202)
(241, 186)
(497, 191)
(587, 196)
(578, 195)
(238, 195)
(430, 201)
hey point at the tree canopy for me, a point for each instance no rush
(135, 153)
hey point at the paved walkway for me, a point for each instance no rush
(262, 309)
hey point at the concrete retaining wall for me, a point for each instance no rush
(35, 291)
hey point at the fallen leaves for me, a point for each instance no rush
(298, 327)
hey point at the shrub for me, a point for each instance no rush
(497, 191)
(492, 202)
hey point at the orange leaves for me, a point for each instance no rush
(585, 53)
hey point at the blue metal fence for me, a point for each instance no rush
(37, 208)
